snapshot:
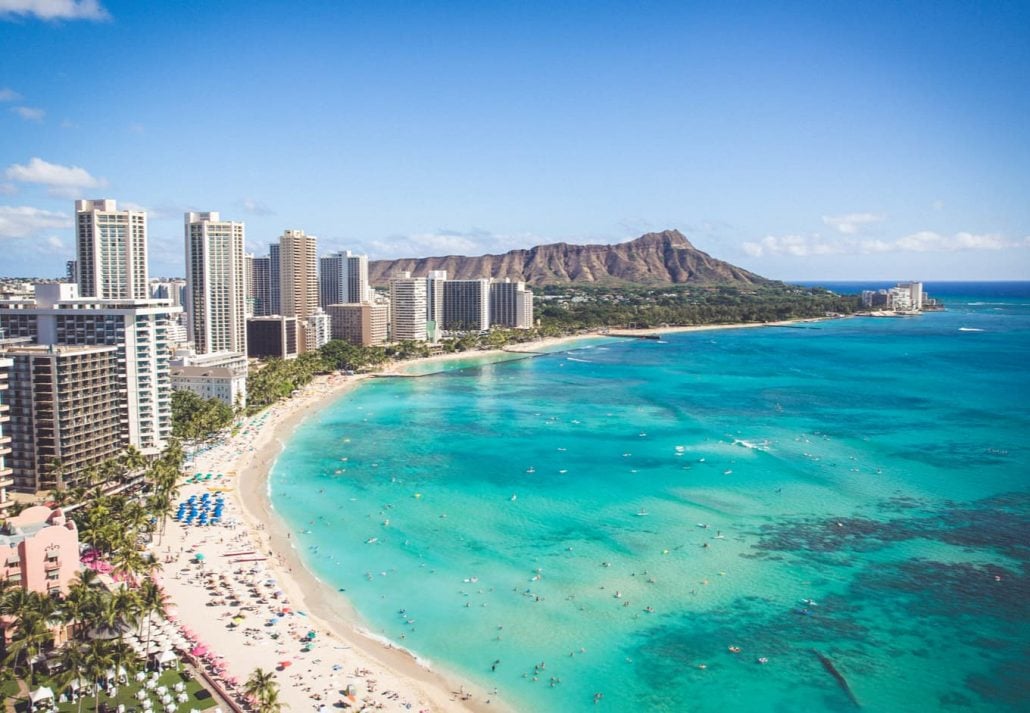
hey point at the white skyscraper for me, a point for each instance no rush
(111, 251)
(408, 308)
(216, 293)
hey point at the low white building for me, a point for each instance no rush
(317, 330)
(219, 375)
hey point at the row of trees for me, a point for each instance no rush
(195, 418)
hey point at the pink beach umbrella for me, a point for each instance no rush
(199, 650)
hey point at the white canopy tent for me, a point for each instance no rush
(40, 695)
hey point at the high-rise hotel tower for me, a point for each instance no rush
(216, 292)
(343, 279)
(298, 284)
(407, 308)
(111, 251)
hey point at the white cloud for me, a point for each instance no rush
(443, 242)
(929, 241)
(923, 241)
(29, 113)
(54, 9)
(55, 242)
(9, 95)
(255, 207)
(419, 244)
(64, 181)
(851, 223)
(26, 221)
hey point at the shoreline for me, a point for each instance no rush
(327, 610)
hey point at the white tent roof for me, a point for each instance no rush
(41, 694)
(167, 656)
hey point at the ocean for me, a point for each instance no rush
(804, 518)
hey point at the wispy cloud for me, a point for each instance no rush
(63, 181)
(29, 113)
(54, 9)
(923, 241)
(253, 206)
(852, 223)
(26, 221)
(473, 242)
(9, 95)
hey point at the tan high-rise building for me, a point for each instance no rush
(298, 277)
(216, 292)
(111, 251)
(364, 324)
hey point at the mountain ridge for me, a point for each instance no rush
(665, 257)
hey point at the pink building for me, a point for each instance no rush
(39, 550)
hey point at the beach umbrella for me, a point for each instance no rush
(141, 694)
(199, 557)
(199, 650)
(285, 664)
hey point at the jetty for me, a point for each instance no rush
(655, 337)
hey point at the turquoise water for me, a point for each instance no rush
(549, 511)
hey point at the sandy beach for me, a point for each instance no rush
(251, 602)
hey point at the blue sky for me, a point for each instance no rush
(817, 140)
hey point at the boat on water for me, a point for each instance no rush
(642, 513)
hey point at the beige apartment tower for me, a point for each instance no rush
(298, 278)
(364, 324)
(216, 284)
(111, 251)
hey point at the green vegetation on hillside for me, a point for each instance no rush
(569, 309)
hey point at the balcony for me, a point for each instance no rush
(51, 565)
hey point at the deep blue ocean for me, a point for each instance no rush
(803, 518)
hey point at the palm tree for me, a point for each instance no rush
(73, 658)
(132, 460)
(123, 657)
(264, 689)
(99, 657)
(152, 600)
(32, 613)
